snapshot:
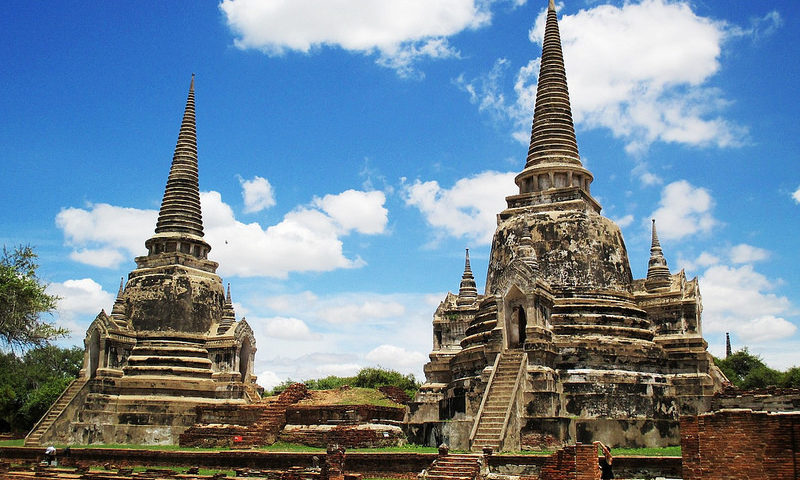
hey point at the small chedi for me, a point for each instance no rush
(564, 346)
(171, 342)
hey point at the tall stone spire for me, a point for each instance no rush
(467, 292)
(180, 208)
(179, 229)
(228, 314)
(553, 160)
(657, 270)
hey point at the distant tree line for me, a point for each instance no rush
(30, 383)
(369, 377)
(748, 371)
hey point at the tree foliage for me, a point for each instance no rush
(23, 301)
(749, 371)
(29, 384)
(366, 378)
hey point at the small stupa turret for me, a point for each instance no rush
(228, 314)
(657, 270)
(467, 292)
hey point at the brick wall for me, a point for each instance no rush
(321, 414)
(741, 444)
(349, 436)
(573, 462)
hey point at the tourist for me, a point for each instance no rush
(605, 462)
(50, 454)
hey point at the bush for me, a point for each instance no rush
(369, 377)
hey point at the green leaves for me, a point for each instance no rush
(23, 300)
(748, 371)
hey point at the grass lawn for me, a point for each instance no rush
(674, 451)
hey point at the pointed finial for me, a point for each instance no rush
(121, 283)
(191, 84)
(468, 291)
(654, 242)
(552, 5)
(658, 275)
(228, 297)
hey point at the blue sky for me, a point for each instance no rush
(350, 150)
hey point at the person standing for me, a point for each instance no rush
(50, 454)
(605, 461)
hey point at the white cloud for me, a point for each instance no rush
(395, 358)
(80, 301)
(624, 221)
(744, 253)
(796, 195)
(307, 239)
(641, 70)
(105, 235)
(740, 300)
(399, 32)
(684, 210)
(257, 194)
(356, 210)
(287, 328)
(361, 312)
(467, 210)
(99, 257)
(765, 328)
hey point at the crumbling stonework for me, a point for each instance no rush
(564, 345)
(172, 341)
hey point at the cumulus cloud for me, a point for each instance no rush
(642, 70)
(356, 210)
(288, 328)
(796, 195)
(466, 210)
(361, 312)
(80, 301)
(624, 221)
(744, 253)
(308, 238)
(684, 210)
(400, 33)
(105, 235)
(741, 300)
(257, 194)
(395, 358)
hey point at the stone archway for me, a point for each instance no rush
(93, 349)
(516, 317)
(244, 358)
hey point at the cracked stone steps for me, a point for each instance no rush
(499, 397)
(454, 467)
(54, 412)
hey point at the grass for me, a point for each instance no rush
(674, 451)
(348, 396)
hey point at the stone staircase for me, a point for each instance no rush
(499, 396)
(454, 467)
(273, 418)
(53, 413)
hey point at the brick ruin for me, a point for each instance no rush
(742, 444)
(284, 419)
(564, 345)
(172, 341)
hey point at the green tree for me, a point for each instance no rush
(791, 378)
(738, 365)
(23, 301)
(31, 383)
